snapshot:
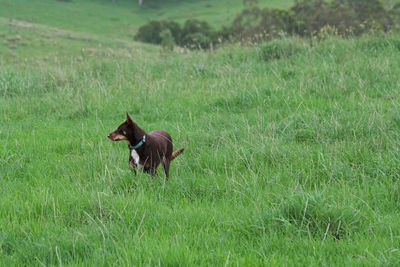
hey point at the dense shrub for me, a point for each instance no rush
(255, 23)
(311, 15)
(197, 40)
(246, 24)
(198, 34)
(308, 17)
(150, 32)
(225, 34)
(365, 10)
(347, 16)
(277, 19)
(194, 34)
(304, 18)
(395, 16)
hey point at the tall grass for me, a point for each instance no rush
(291, 157)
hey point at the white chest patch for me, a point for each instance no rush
(135, 157)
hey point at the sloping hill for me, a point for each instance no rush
(122, 18)
(37, 41)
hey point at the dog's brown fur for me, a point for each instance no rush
(156, 149)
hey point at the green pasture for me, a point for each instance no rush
(292, 146)
(122, 18)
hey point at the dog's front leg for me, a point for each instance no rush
(132, 166)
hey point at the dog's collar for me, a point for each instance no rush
(141, 142)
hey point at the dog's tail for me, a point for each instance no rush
(176, 153)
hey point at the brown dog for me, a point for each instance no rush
(146, 150)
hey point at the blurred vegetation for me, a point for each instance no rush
(167, 40)
(194, 33)
(305, 18)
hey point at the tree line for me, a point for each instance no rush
(304, 18)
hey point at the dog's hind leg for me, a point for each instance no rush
(153, 171)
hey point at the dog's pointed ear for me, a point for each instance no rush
(128, 118)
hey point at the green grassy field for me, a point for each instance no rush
(292, 158)
(122, 18)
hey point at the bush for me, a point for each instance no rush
(305, 18)
(312, 15)
(257, 24)
(246, 25)
(197, 41)
(364, 10)
(277, 20)
(225, 34)
(150, 32)
(198, 34)
(309, 17)
(195, 33)
(347, 16)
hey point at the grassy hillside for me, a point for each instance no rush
(292, 151)
(122, 18)
(23, 41)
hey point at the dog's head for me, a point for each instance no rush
(124, 130)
